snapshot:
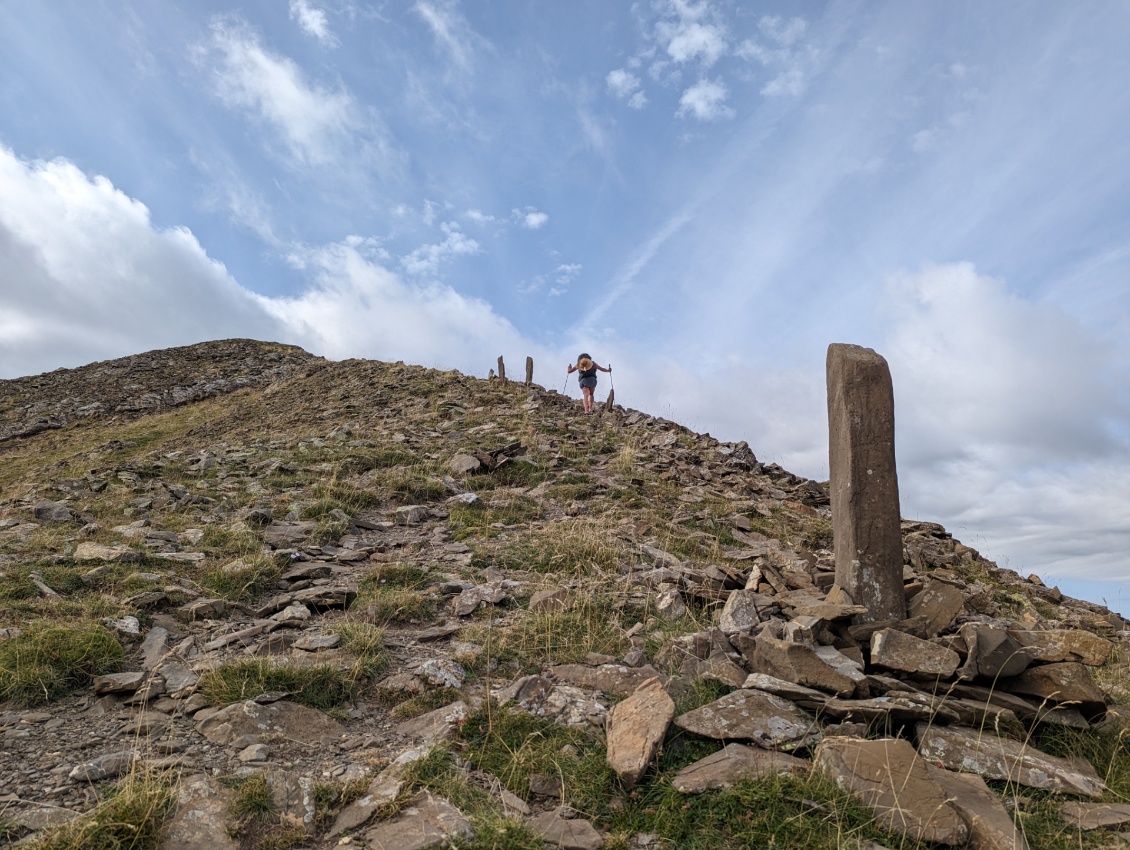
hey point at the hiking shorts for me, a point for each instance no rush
(589, 383)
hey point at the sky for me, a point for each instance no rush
(704, 195)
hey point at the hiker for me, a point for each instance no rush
(587, 368)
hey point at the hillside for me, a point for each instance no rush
(277, 601)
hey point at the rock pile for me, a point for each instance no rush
(911, 715)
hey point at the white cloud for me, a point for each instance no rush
(626, 86)
(1043, 399)
(312, 21)
(1010, 430)
(688, 33)
(427, 258)
(479, 217)
(530, 218)
(87, 276)
(706, 101)
(357, 308)
(567, 273)
(315, 123)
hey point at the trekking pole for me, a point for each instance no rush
(564, 385)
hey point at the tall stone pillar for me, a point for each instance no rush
(866, 523)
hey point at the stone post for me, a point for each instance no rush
(529, 371)
(866, 523)
(501, 368)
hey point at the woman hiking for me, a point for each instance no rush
(587, 368)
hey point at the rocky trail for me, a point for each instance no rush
(328, 579)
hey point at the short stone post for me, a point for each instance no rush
(501, 368)
(610, 400)
(529, 371)
(866, 523)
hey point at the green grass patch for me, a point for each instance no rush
(393, 593)
(321, 686)
(384, 457)
(481, 518)
(577, 546)
(47, 662)
(366, 642)
(243, 580)
(130, 817)
(539, 638)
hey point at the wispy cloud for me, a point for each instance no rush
(706, 101)
(312, 21)
(782, 52)
(453, 34)
(314, 122)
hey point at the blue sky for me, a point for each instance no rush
(705, 194)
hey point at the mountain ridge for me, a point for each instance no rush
(422, 539)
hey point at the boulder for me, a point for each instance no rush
(989, 823)
(200, 819)
(897, 650)
(617, 680)
(939, 602)
(800, 663)
(636, 727)
(289, 719)
(425, 821)
(734, 763)
(888, 776)
(1063, 682)
(750, 715)
(48, 512)
(567, 833)
(991, 652)
(741, 611)
(89, 551)
(1065, 645)
(958, 748)
(1088, 816)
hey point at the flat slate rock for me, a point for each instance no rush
(1088, 816)
(888, 776)
(294, 721)
(425, 821)
(957, 748)
(990, 825)
(613, 679)
(733, 763)
(570, 834)
(200, 820)
(752, 715)
(636, 727)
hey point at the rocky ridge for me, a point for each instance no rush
(299, 494)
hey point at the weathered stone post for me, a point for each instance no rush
(501, 368)
(866, 523)
(529, 370)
